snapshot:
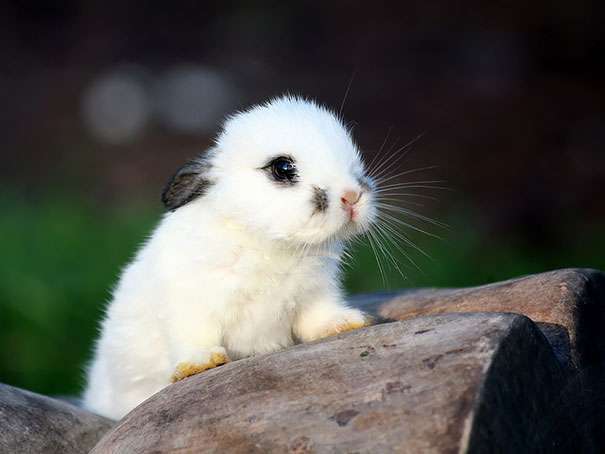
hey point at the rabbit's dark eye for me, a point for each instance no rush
(283, 169)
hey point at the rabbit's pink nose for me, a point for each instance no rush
(350, 197)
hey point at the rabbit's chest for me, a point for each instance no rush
(261, 310)
(257, 276)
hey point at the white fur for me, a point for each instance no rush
(247, 268)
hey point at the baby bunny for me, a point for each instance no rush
(246, 259)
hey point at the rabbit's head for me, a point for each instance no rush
(287, 169)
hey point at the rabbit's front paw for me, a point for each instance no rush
(212, 359)
(347, 321)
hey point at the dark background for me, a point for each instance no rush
(101, 101)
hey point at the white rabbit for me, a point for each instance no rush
(245, 261)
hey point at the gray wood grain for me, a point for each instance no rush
(458, 372)
(31, 423)
(567, 304)
(446, 383)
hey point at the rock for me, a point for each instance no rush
(567, 305)
(31, 423)
(445, 383)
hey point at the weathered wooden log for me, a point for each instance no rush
(31, 423)
(446, 383)
(567, 305)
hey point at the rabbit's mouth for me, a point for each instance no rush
(359, 217)
(356, 223)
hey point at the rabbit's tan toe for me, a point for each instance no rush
(187, 369)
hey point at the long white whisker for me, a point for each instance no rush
(405, 183)
(396, 221)
(386, 138)
(399, 187)
(344, 99)
(395, 195)
(389, 155)
(380, 269)
(426, 219)
(379, 173)
(391, 158)
(346, 257)
(406, 172)
(395, 199)
(380, 232)
(404, 239)
(383, 248)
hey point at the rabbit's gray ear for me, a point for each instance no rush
(188, 183)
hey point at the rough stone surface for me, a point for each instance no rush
(31, 423)
(567, 304)
(447, 383)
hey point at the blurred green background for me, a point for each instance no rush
(103, 100)
(61, 256)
